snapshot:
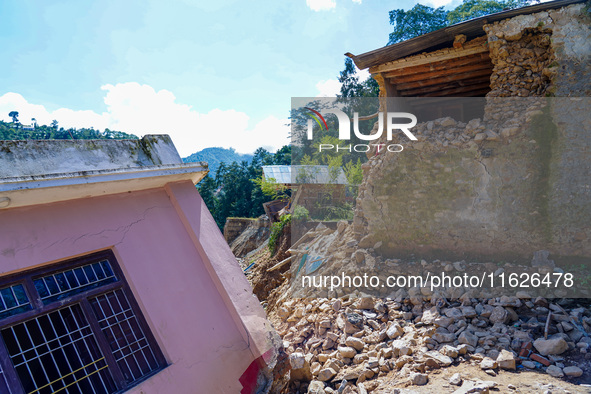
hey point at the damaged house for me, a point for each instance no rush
(114, 276)
(503, 173)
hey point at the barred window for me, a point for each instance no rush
(73, 327)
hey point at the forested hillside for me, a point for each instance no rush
(216, 156)
(232, 190)
(16, 131)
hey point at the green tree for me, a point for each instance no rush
(350, 85)
(14, 116)
(207, 189)
(283, 156)
(415, 22)
(471, 9)
(422, 19)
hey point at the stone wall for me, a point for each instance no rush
(546, 53)
(246, 234)
(235, 226)
(499, 188)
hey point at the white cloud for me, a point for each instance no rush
(357, 1)
(332, 87)
(321, 5)
(328, 88)
(362, 74)
(438, 3)
(140, 110)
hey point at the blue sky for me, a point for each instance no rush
(209, 73)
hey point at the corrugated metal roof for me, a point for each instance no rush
(443, 38)
(322, 175)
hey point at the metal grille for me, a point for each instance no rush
(130, 346)
(76, 280)
(3, 383)
(58, 352)
(13, 300)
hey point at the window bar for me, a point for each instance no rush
(73, 343)
(124, 337)
(133, 332)
(11, 378)
(79, 340)
(66, 375)
(90, 353)
(74, 284)
(61, 347)
(34, 348)
(21, 352)
(97, 300)
(117, 374)
(57, 366)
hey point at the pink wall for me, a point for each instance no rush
(192, 293)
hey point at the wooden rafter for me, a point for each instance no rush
(427, 58)
(437, 88)
(443, 79)
(459, 71)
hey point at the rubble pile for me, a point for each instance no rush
(357, 341)
(349, 341)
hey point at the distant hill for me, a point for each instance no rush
(215, 156)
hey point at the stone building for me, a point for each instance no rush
(114, 276)
(501, 167)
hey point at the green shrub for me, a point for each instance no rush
(276, 230)
(300, 214)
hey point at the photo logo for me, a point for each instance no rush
(315, 116)
(393, 122)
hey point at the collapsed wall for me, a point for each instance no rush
(507, 184)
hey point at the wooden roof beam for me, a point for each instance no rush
(452, 85)
(440, 73)
(437, 56)
(453, 91)
(444, 79)
(442, 65)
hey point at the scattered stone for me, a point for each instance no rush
(394, 331)
(347, 352)
(444, 337)
(550, 346)
(316, 387)
(468, 338)
(326, 374)
(555, 371)
(506, 360)
(440, 359)
(488, 363)
(418, 379)
(300, 367)
(528, 364)
(499, 315)
(573, 372)
(449, 351)
(456, 379)
(355, 343)
(353, 323)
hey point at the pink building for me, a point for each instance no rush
(115, 278)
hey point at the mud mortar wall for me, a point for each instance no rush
(495, 189)
(546, 53)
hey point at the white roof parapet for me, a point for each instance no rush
(44, 171)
